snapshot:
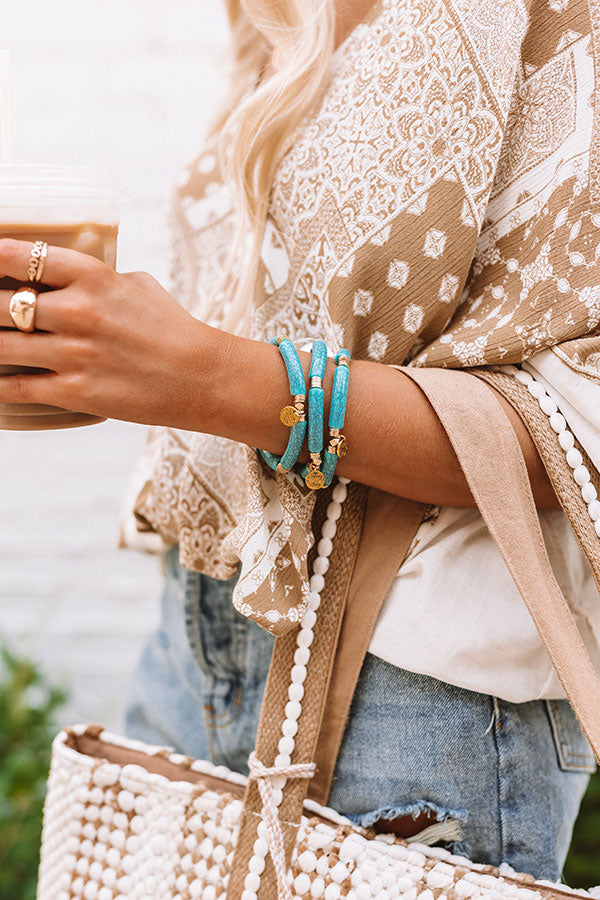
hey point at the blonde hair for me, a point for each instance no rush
(261, 114)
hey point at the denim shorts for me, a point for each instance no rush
(509, 777)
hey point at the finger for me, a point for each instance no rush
(45, 351)
(48, 389)
(61, 268)
(53, 311)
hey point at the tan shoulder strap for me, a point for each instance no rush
(491, 458)
(490, 455)
(390, 526)
(272, 714)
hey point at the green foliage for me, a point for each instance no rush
(583, 864)
(27, 708)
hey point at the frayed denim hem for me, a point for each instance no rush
(366, 820)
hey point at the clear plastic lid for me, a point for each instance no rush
(60, 195)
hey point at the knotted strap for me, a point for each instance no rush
(263, 775)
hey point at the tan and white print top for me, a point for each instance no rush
(441, 207)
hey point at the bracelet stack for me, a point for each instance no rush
(319, 471)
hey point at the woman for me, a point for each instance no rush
(414, 180)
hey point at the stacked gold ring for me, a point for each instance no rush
(37, 261)
(23, 303)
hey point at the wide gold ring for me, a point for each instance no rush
(37, 260)
(22, 308)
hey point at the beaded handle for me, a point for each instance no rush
(273, 780)
(565, 437)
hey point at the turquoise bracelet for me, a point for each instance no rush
(292, 416)
(312, 474)
(338, 446)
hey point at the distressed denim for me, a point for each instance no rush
(509, 776)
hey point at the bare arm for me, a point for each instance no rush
(120, 346)
(396, 442)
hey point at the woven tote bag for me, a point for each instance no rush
(125, 821)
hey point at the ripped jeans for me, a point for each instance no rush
(506, 778)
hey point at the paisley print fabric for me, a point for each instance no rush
(437, 209)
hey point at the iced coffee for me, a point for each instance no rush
(66, 207)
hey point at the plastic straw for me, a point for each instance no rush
(7, 120)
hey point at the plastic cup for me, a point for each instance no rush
(65, 206)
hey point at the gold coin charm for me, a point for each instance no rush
(314, 477)
(314, 480)
(342, 447)
(289, 416)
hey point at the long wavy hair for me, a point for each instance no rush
(281, 56)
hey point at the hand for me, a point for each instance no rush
(116, 345)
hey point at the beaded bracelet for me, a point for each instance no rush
(313, 476)
(338, 446)
(292, 416)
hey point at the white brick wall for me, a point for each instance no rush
(127, 85)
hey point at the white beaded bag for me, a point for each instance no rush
(126, 821)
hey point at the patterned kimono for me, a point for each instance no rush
(439, 208)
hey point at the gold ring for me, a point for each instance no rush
(22, 308)
(37, 259)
